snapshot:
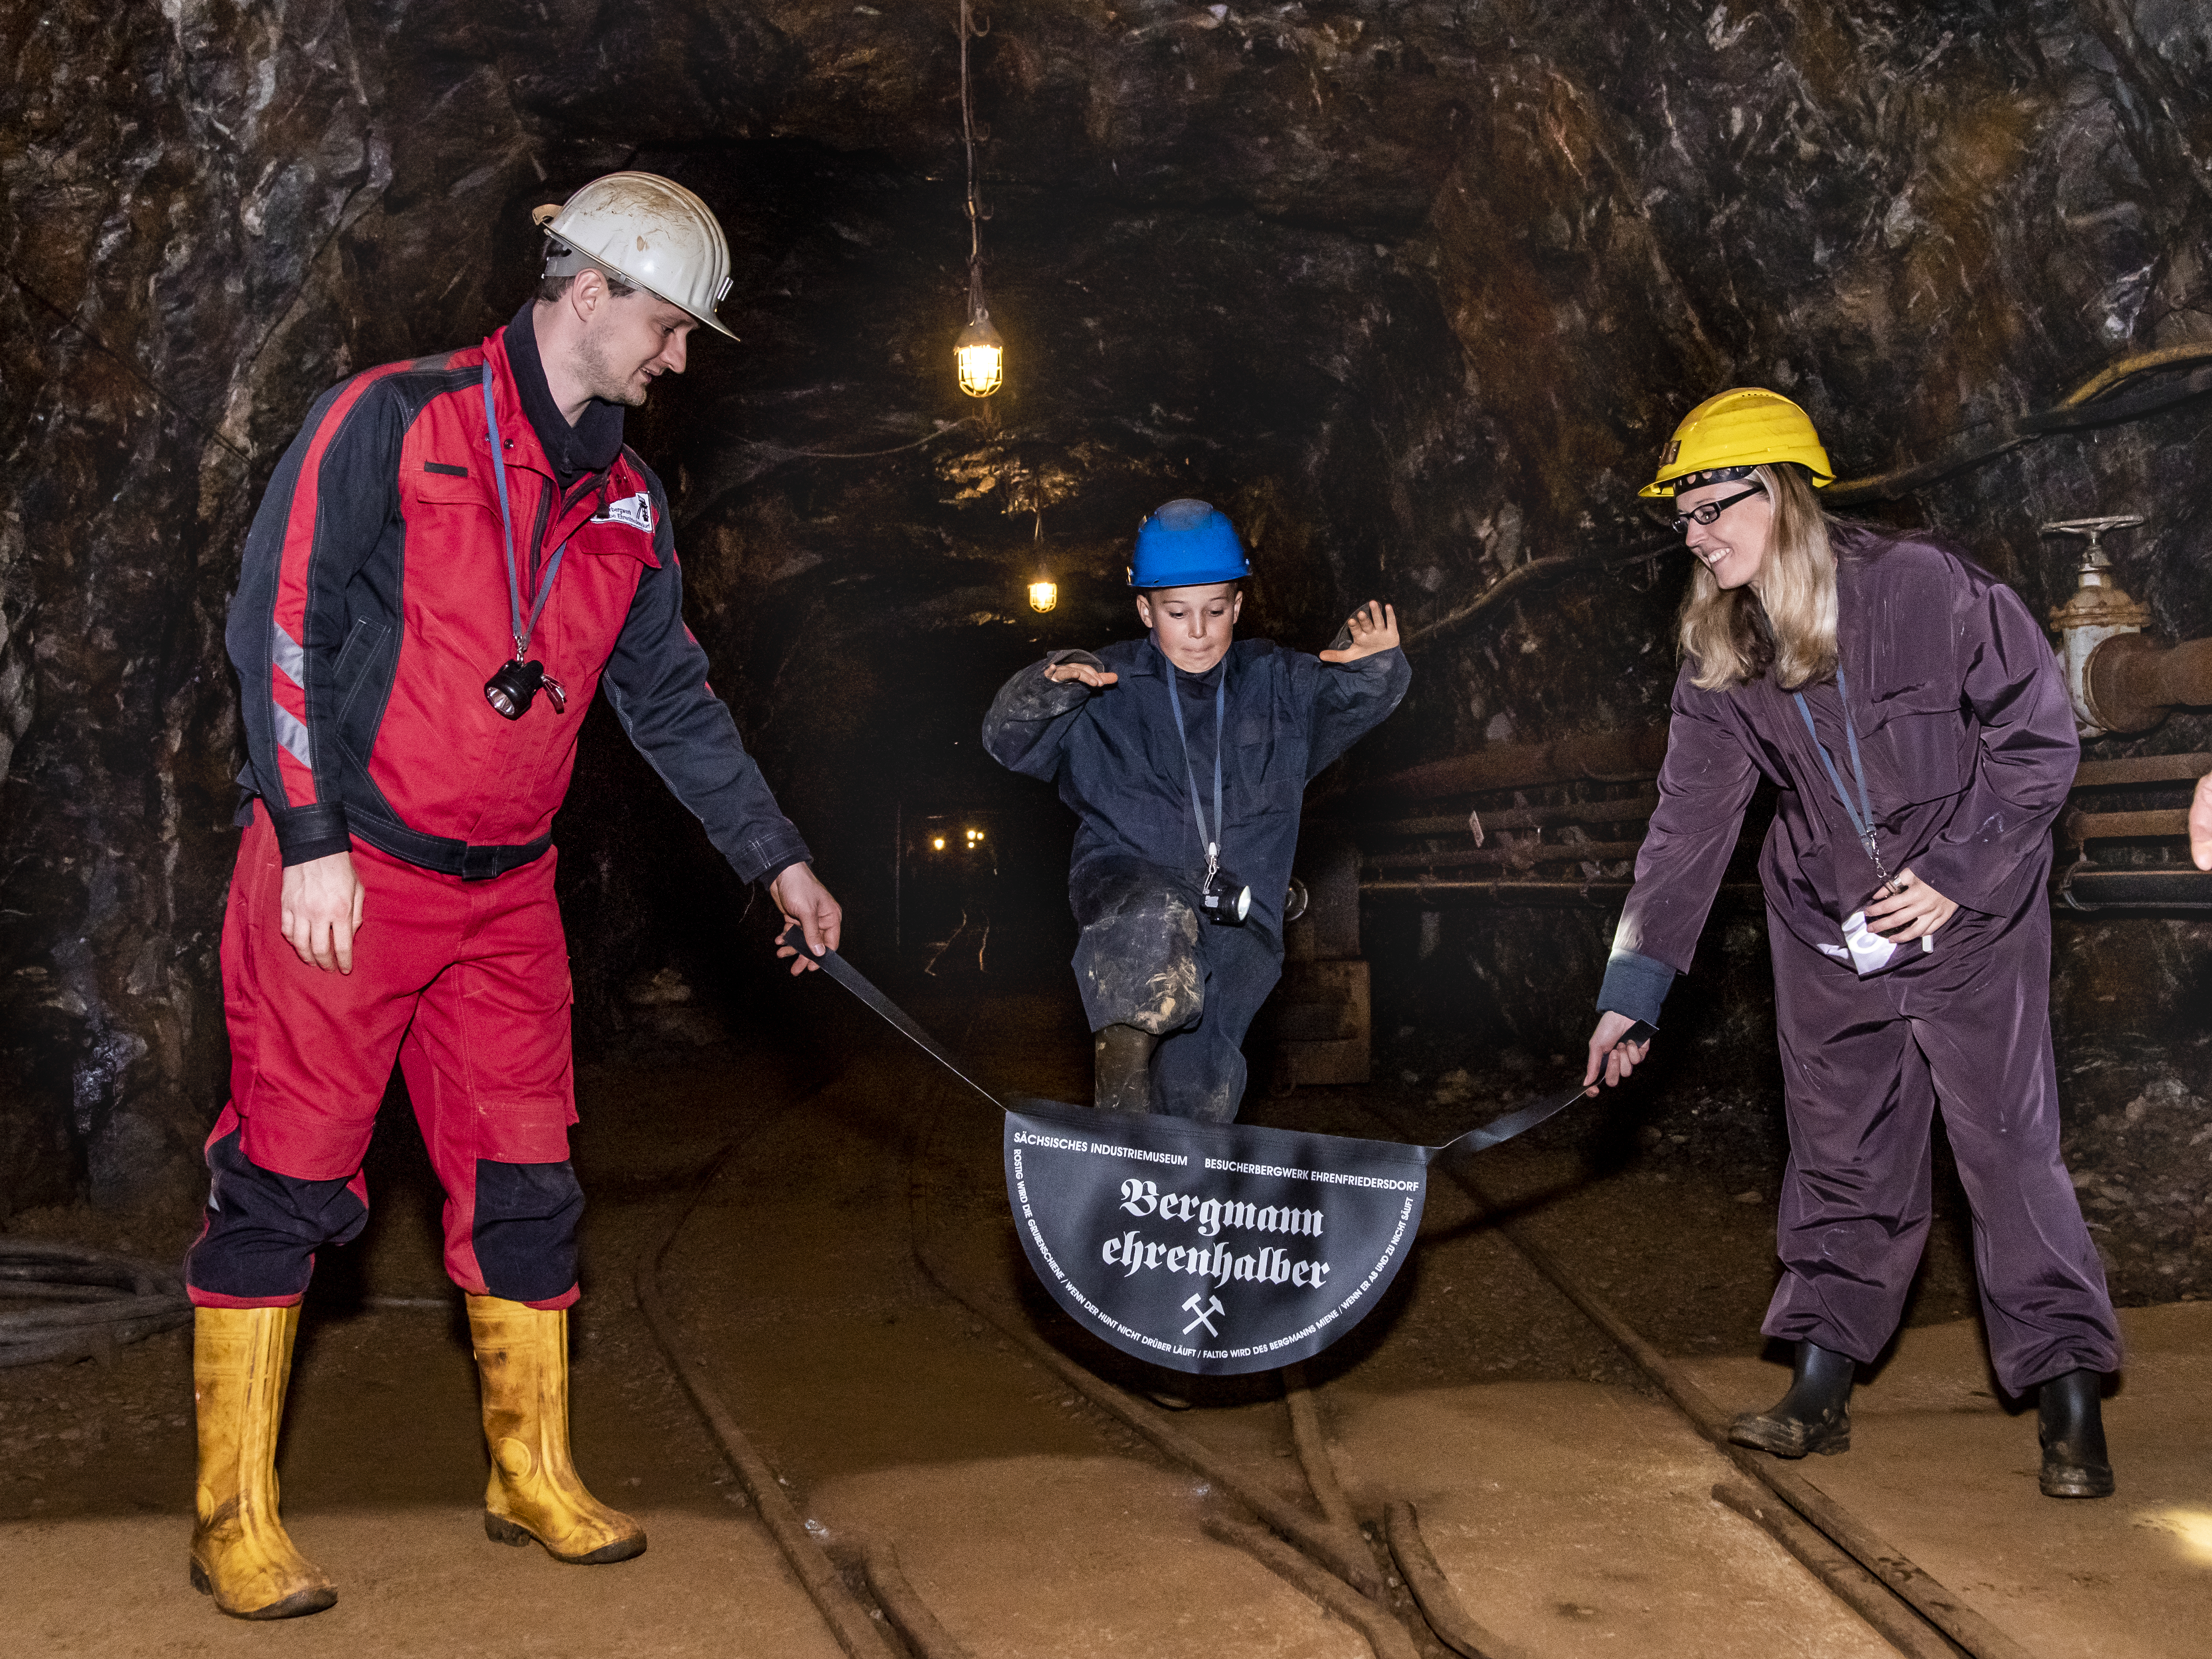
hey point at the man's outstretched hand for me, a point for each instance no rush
(319, 908)
(1374, 628)
(805, 900)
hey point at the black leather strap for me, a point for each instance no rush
(853, 980)
(1494, 1133)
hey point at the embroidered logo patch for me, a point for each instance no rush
(635, 511)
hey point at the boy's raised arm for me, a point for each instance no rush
(1029, 718)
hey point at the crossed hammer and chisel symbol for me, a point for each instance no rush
(1204, 1314)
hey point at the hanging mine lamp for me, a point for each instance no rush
(1044, 595)
(979, 351)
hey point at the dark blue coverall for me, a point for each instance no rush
(1145, 958)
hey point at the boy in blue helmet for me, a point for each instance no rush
(1185, 756)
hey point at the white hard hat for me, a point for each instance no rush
(647, 230)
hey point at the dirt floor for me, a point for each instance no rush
(840, 1235)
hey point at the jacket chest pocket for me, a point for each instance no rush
(446, 506)
(605, 538)
(591, 601)
(1925, 743)
(1269, 761)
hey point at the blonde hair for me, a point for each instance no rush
(1784, 618)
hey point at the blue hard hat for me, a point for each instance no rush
(1187, 544)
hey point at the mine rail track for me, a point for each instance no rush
(1906, 1605)
(1377, 1574)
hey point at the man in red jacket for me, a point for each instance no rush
(453, 551)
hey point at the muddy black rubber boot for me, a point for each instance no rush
(1122, 1080)
(1813, 1416)
(2071, 1423)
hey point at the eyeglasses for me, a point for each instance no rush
(1710, 510)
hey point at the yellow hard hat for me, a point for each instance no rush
(1747, 426)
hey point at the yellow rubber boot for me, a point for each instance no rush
(522, 1359)
(241, 1555)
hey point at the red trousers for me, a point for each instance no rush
(466, 984)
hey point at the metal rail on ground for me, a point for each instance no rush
(1313, 1450)
(1384, 1634)
(1439, 1602)
(852, 1624)
(1857, 1589)
(1913, 1588)
(887, 1583)
(1346, 1557)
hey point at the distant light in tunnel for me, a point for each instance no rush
(1044, 595)
(937, 843)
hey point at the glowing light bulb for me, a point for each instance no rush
(981, 356)
(937, 843)
(1044, 595)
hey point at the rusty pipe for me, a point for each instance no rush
(2131, 681)
(1632, 754)
(2143, 769)
(2085, 887)
(1518, 855)
(1636, 808)
(1431, 893)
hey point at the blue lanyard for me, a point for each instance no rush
(522, 629)
(1861, 816)
(1212, 843)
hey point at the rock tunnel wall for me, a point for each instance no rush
(1414, 290)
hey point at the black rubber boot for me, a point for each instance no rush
(1813, 1416)
(1121, 1057)
(2071, 1423)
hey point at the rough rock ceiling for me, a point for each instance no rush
(1415, 289)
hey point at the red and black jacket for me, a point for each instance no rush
(372, 606)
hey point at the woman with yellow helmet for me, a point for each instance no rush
(1911, 712)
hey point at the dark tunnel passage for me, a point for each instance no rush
(1414, 291)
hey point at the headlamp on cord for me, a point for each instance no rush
(511, 690)
(1227, 900)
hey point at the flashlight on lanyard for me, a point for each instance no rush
(511, 690)
(1227, 900)
(516, 685)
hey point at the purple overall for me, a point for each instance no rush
(1968, 747)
